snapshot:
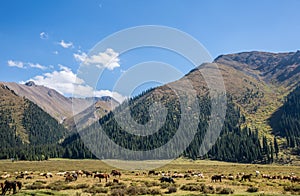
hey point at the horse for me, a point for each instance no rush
(167, 179)
(116, 173)
(101, 175)
(8, 185)
(70, 178)
(245, 177)
(87, 173)
(215, 178)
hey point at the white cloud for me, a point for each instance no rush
(65, 44)
(23, 65)
(55, 52)
(44, 35)
(108, 59)
(18, 64)
(37, 65)
(67, 83)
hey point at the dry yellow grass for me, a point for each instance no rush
(138, 179)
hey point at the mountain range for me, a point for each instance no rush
(260, 87)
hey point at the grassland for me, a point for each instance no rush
(137, 183)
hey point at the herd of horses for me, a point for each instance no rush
(72, 176)
(14, 185)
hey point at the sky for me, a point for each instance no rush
(48, 41)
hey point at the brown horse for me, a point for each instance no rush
(70, 178)
(10, 185)
(87, 173)
(245, 177)
(116, 173)
(101, 175)
(215, 178)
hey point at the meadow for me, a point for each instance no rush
(138, 182)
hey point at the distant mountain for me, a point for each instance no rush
(58, 106)
(100, 107)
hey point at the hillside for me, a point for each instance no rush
(26, 131)
(60, 107)
(286, 121)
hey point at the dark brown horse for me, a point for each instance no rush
(246, 177)
(102, 175)
(115, 173)
(215, 178)
(10, 185)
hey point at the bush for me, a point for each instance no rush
(118, 192)
(172, 189)
(155, 192)
(118, 186)
(208, 189)
(192, 187)
(95, 189)
(58, 185)
(226, 191)
(81, 186)
(151, 183)
(165, 185)
(35, 185)
(252, 189)
(292, 188)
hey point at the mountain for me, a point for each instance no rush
(275, 68)
(262, 101)
(256, 83)
(27, 131)
(58, 106)
(99, 108)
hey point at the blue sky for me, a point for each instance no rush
(39, 40)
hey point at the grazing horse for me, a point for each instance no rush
(87, 173)
(101, 175)
(245, 177)
(167, 179)
(70, 178)
(8, 185)
(116, 173)
(215, 178)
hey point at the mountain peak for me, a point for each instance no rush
(30, 83)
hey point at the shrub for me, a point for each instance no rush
(120, 185)
(226, 191)
(95, 189)
(208, 189)
(58, 185)
(292, 188)
(252, 189)
(81, 186)
(192, 187)
(172, 189)
(165, 185)
(151, 183)
(118, 192)
(155, 192)
(35, 185)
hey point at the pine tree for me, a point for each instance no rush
(276, 148)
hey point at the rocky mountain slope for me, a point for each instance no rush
(60, 107)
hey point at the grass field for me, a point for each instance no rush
(137, 183)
